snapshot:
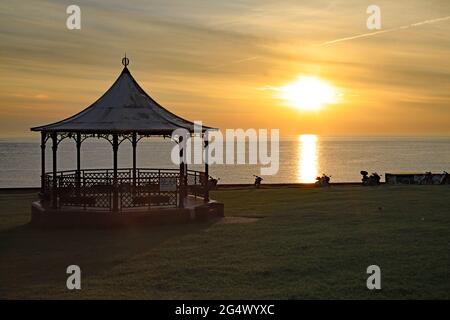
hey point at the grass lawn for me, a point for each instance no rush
(304, 243)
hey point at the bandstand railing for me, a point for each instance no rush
(95, 188)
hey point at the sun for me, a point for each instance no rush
(309, 93)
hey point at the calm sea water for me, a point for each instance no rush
(301, 158)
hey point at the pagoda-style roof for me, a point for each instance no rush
(123, 108)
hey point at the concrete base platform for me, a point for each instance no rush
(194, 211)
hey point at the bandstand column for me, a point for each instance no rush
(134, 144)
(115, 184)
(78, 142)
(55, 168)
(186, 186)
(181, 178)
(206, 195)
(43, 137)
(78, 175)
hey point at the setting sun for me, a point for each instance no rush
(308, 93)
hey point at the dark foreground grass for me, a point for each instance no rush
(307, 243)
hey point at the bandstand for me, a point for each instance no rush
(121, 196)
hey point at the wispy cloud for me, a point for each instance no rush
(191, 55)
(233, 62)
(370, 34)
(358, 36)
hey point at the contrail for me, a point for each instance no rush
(358, 36)
(233, 62)
(365, 35)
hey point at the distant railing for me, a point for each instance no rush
(94, 188)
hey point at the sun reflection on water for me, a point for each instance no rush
(307, 163)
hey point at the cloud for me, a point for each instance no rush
(370, 34)
(41, 96)
(234, 62)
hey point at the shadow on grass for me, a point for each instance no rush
(30, 256)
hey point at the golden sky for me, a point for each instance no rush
(214, 61)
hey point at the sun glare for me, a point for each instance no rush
(309, 93)
(308, 157)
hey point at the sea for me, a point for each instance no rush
(299, 159)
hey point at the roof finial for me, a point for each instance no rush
(125, 60)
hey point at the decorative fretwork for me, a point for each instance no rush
(65, 135)
(196, 183)
(107, 136)
(124, 137)
(47, 136)
(142, 136)
(149, 188)
(85, 136)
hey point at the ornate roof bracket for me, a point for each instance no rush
(64, 135)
